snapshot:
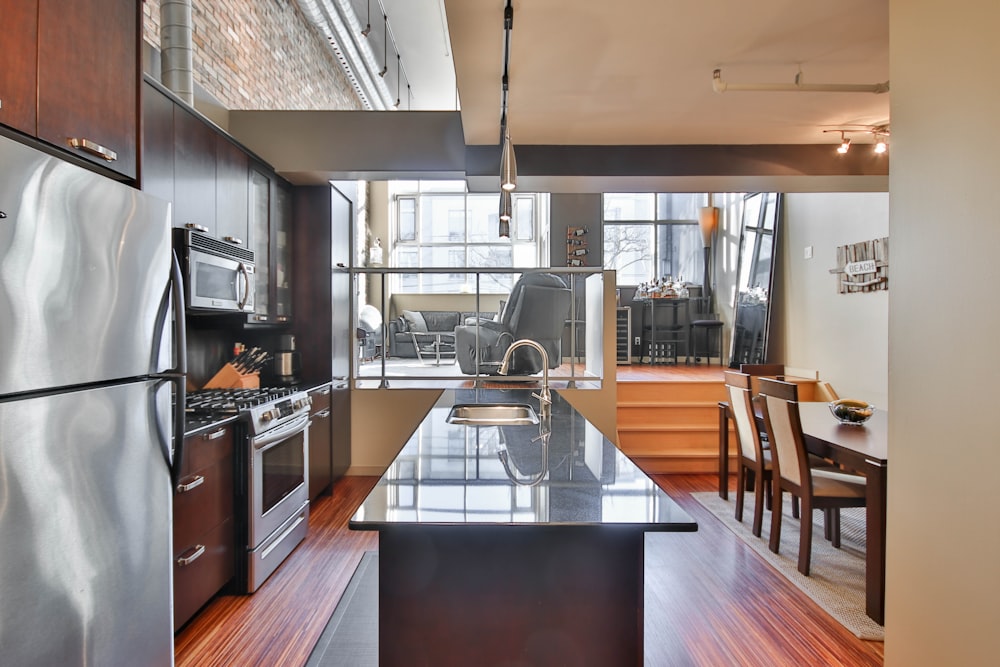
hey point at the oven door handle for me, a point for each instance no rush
(275, 435)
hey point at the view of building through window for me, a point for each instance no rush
(438, 224)
(653, 235)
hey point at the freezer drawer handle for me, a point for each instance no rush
(196, 481)
(94, 148)
(215, 435)
(195, 553)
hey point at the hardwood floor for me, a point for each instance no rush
(710, 599)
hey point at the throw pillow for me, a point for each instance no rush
(415, 321)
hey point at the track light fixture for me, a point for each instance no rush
(397, 80)
(368, 24)
(385, 45)
(879, 132)
(845, 143)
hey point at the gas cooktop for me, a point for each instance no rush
(232, 401)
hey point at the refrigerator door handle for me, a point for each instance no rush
(178, 374)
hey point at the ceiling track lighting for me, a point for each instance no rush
(508, 163)
(397, 81)
(368, 23)
(385, 45)
(879, 132)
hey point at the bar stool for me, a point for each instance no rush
(711, 329)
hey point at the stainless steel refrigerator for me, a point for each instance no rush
(91, 322)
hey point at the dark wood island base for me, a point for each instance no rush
(568, 595)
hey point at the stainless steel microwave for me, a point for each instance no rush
(218, 276)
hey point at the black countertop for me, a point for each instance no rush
(448, 474)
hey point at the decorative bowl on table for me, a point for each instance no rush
(851, 411)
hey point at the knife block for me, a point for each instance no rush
(230, 378)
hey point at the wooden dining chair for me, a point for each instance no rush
(754, 461)
(827, 490)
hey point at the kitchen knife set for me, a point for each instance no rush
(250, 360)
(243, 371)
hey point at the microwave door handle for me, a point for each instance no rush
(242, 279)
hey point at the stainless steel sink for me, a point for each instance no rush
(493, 414)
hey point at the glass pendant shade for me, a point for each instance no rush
(506, 206)
(508, 165)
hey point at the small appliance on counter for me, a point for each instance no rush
(287, 363)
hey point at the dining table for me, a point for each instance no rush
(861, 448)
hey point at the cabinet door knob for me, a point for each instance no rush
(94, 148)
(191, 555)
(235, 240)
(196, 227)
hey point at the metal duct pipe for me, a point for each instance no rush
(721, 86)
(176, 52)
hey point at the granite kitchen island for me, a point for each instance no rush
(512, 544)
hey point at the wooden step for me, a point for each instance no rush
(671, 427)
(685, 391)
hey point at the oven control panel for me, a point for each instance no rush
(275, 412)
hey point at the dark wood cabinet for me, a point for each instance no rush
(232, 192)
(204, 525)
(157, 173)
(271, 230)
(88, 78)
(194, 172)
(19, 73)
(320, 452)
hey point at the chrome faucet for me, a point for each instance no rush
(545, 398)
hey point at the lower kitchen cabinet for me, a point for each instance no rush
(320, 451)
(204, 526)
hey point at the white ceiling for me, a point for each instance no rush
(639, 72)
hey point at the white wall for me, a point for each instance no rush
(943, 572)
(843, 336)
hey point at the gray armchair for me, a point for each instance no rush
(537, 308)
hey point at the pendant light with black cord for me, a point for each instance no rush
(508, 163)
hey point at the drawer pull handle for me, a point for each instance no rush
(322, 414)
(195, 482)
(215, 435)
(235, 240)
(196, 227)
(196, 553)
(94, 148)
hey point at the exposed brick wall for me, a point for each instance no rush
(260, 54)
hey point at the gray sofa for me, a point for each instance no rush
(433, 321)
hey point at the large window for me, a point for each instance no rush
(653, 235)
(439, 225)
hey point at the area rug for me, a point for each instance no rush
(350, 638)
(836, 580)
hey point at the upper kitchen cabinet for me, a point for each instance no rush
(270, 228)
(194, 172)
(19, 74)
(157, 144)
(232, 192)
(87, 77)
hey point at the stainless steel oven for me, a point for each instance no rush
(277, 499)
(272, 472)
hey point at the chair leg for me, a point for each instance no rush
(805, 537)
(795, 507)
(758, 504)
(776, 518)
(740, 490)
(835, 517)
(827, 524)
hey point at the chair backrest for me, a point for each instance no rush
(784, 430)
(510, 309)
(741, 407)
(762, 369)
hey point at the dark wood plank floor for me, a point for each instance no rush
(711, 600)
